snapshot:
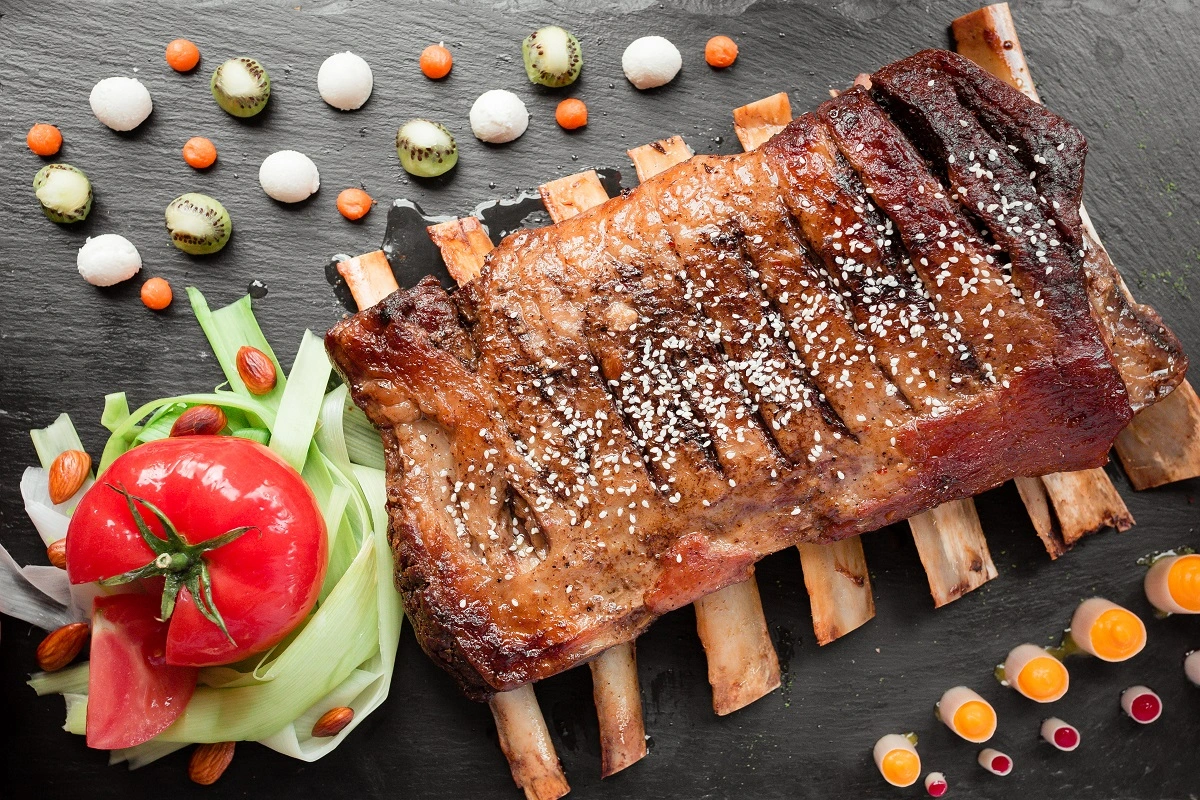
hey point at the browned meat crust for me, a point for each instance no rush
(889, 305)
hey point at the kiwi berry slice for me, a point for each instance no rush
(198, 224)
(64, 192)
(426, 148)
(552, 56)
(241, 86)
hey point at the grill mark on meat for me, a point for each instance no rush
(949, 254)
(591, 459)
(770, 292)
(607, 462)
(989, 179)
(888, 258)
(825, 294)
(814, 400)
(751, 348)
(766, 356)
(570, 456)
(533, 424)
(523, 532)
(668, 333)
(671, 298)
(739, 444)
(677, 457)
(1046, 145)
(819, 323)
(660, 357)
(889, 305)
(749, 335)
(895, 258)
(647, 392)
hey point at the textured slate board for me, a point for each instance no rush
(1120, 69)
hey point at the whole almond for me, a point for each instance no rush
(201, 420)
(61, 646)
(57, 553)
(333, 721)
(67, 473)
(256, 369)
(209, 762)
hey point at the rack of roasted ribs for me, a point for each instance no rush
(571, 445)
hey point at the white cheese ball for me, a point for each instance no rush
(107, 259)
(498, 116)
(345, 81)
(651, 61)
(121, 103)
(288, 176)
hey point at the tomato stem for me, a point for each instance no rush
(172, 562)
(181, 565)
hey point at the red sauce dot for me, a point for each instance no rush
(1001, 764)
(1066, 737)
(1146, 707)
(937, 788)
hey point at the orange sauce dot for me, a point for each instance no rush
(436, 61)
(1183, 582)
(901, 767)
(1117, 634)
(156, 294)
(182, 55)
(1042, 678)
(974, 719)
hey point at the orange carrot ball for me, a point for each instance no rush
(199, 152)
(182, 55)
(156, 294)
(720, 52)
(43, 139)
(436, 61)
(354, 203)
(571, 114)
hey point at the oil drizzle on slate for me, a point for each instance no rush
(413, 255)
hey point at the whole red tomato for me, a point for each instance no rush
(226, 531)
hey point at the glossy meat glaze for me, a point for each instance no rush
(889, 305)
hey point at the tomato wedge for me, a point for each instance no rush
(133, 694)
(226, 532)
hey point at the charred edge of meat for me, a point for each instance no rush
(1053, 151)
(927, 107)
(436, 637)
(353, 343)
(1044, 142)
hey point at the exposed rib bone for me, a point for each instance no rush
(369, 277)
(526, 743)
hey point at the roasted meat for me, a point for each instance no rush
(890, 305)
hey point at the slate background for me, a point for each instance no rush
(1122, 70)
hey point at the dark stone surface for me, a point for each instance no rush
(1122, 70)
